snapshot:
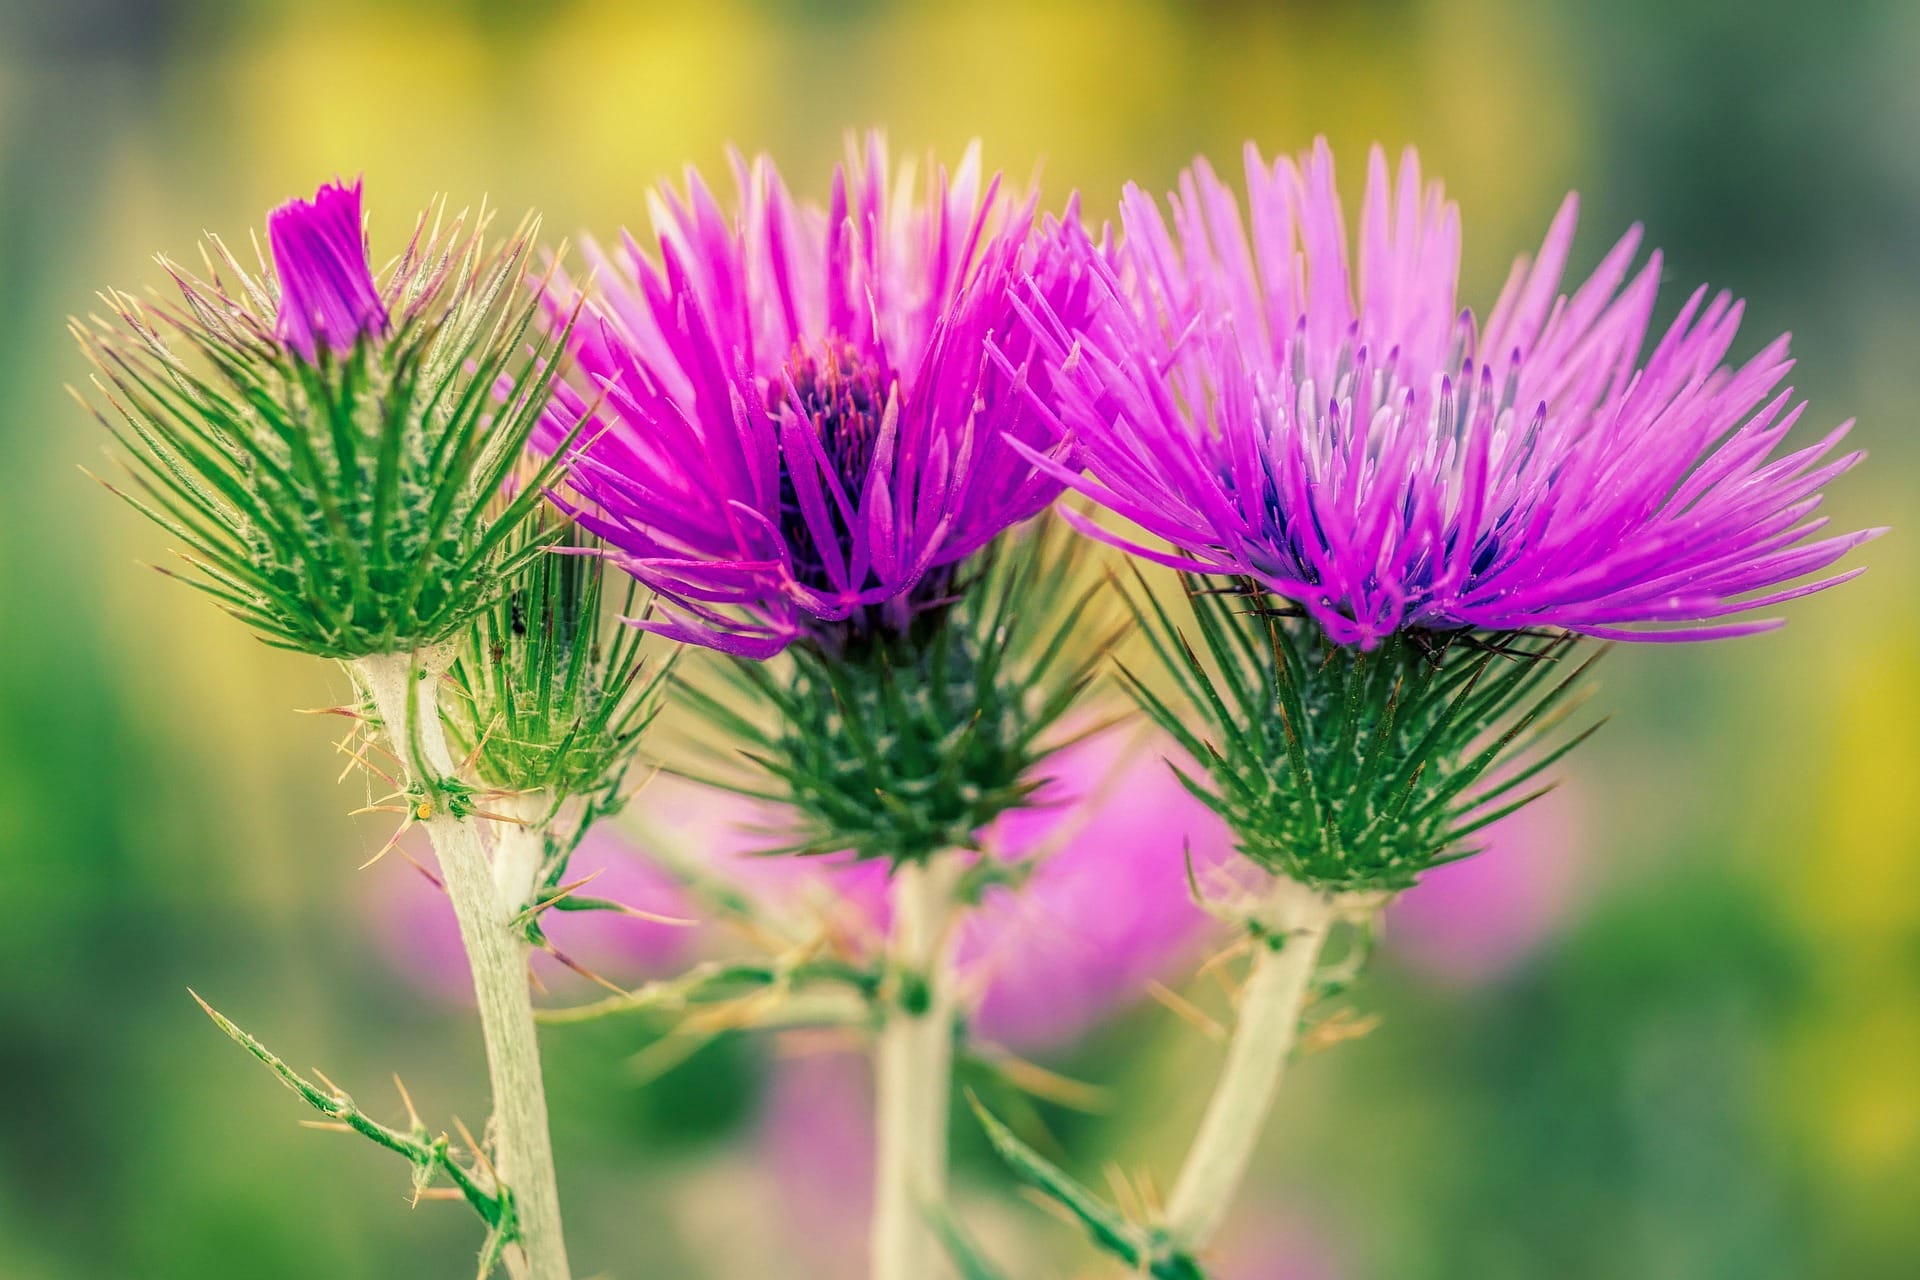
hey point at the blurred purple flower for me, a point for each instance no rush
(1350, 437)
(327, 294)
(816, 1142)
(791, 423)
(1478, 919)
(1107, 909)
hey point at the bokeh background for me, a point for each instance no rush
(1703, 1062)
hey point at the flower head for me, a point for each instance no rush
(793, 424)
(327, 293)
(1340, 431)
(323, 443)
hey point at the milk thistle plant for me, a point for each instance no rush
(335, 455)
(791, 430)
(825, 442)
(1398, 529)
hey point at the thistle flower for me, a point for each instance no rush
(792, 426)
(323, 440)
(1347, 437)
(1392, 517)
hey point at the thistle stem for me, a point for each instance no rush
(913, 1071)
(1293, 921)
(404, 689)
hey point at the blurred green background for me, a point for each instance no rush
(1713, 1070)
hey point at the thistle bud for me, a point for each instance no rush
(327, 443)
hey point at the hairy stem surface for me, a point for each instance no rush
(913, 1072)
(1295, 921)
(404, 689)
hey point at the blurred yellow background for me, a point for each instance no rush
(1712, 1070)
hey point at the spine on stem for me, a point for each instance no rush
(404, 689)
(913, 1071)
(1293, 925)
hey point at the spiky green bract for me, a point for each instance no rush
(551, 691)
(1146, 1250)
(342, 506)
(900, 745)
(1350, 769)
(431, 1156)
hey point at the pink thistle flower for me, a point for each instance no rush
(790, 420)
(1335, 427)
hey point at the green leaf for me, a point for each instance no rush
(430, 1156)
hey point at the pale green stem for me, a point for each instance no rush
(520, 846)
(1293, 922)
(404, 689)
(913, 1072)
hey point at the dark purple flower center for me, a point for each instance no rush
(842, 395)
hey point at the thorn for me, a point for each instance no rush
(393, 843)
(413, 1117)
(1051, 1086)
(582, 970)
(1216, 966)
(566, 891)
(1124, 1197)
(1188, 1012)
(359, 758)
(480, 1159)
(1337, 1029)
(327, 1126)
(415, 863)
(438, 1193)
(480, 744)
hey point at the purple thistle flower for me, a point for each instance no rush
(1345, 434)
(327, 293)
(793, 425)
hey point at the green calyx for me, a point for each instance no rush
(908, 745)
(349, 506)
(551, 691)
(1349, 769)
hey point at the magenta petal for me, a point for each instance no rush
(801, 399)
(327, 294)
(1323, 418)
